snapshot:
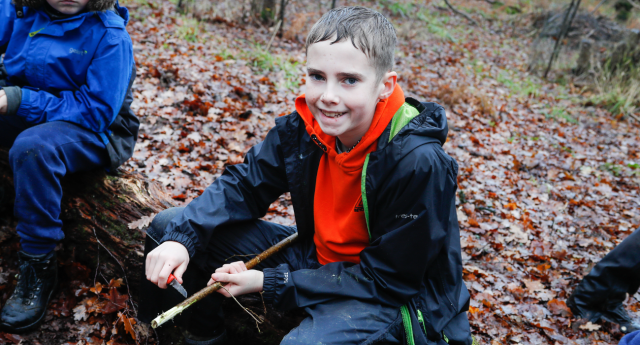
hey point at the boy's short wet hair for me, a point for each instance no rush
(367, 29)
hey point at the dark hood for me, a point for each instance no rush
(431, 123)
(92, 6)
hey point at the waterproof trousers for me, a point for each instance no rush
(341, 321)
(631, 339)
(39, 157)
(617, 274)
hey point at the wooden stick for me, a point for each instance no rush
(177, 310)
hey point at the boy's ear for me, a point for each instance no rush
(389, 84)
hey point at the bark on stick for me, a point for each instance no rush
(173, 312)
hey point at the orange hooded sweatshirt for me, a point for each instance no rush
(340, 225)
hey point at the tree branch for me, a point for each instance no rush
(634, 3)
(598, 6)
(461, 13)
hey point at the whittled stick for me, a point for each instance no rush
(177, 310)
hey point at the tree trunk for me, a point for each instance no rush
(99, 207)
(264, 10)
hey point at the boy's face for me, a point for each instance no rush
(342, 90)
(69, 7)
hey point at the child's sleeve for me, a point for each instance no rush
(243, 192)
(7, 17)
(95, 104)
(418, 209)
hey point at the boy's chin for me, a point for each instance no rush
(331, 130)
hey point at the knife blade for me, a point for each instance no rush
(176, 285)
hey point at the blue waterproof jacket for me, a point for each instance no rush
(77, 69)
(414, 259)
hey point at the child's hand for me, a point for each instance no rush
(3, 102)
(241, 281)
(168, 257)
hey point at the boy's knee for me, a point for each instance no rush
(27, 148)
(160, 222)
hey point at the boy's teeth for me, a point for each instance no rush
(330, 114)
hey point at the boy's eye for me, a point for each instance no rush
(316, 77)
(351, 81)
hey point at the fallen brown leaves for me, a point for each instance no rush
(547, 186)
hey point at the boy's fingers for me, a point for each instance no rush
(147, 266)
(180, 271)
(239, 266)
(164, 275)
(150, 264)
(226, 278)
(156, 268)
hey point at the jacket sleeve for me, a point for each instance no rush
(7, 18)
(95, 104)
(243, 192)
(413, 211)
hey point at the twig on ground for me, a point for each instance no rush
(275, 31)
(631, 115)
(461, 13)
(598, 6)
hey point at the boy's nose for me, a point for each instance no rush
(329, 97)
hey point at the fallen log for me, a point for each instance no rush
(96, 211)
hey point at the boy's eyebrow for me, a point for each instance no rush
(311, 70)
(355, 75)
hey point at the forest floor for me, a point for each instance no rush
(548, 180)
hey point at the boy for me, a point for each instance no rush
(67, 68)
(378, 255)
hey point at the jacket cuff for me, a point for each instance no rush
(24, 110)
(182, 239)
(14, 99)
(275, 282)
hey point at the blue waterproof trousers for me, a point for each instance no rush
(39, 157)
(341, 321)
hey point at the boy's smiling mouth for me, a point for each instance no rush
(332, 114)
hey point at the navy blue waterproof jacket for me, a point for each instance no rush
(409, 184)
(77, 69)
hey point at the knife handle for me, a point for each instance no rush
(171, 278)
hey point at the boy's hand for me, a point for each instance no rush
(168, 257)
(3, 102)
(241, 281)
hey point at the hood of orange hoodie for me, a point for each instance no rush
(354, 159)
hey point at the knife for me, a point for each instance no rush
(174, 282)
